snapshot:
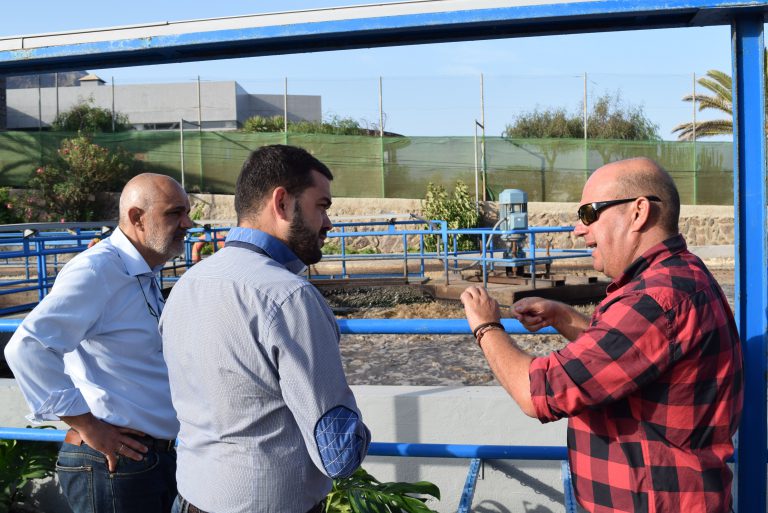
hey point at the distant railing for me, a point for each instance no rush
(38, 251)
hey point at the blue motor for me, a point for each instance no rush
(513, 215)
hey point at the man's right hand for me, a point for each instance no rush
(111, 441)
(535, 313)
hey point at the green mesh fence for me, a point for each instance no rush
(399, 167)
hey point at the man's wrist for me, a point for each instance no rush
(481, 329)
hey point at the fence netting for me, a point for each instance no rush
(398, 167)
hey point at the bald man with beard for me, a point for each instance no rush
(90, 355)
(652, 382)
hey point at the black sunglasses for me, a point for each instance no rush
(590, 212)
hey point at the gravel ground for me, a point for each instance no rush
(431, 359)
(416, 359)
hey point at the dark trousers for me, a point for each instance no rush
(146, 486)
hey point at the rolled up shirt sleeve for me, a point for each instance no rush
(55, 327)
(305, 336)
(626, 346)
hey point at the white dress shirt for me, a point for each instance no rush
(92, 344)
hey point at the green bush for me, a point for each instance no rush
(335, 125)
(70, 187)
(86, 118)
(264, 124)
(363, 493)
(21, 462)
(10, 208)
(458, 210)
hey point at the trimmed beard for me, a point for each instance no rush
(302, 240)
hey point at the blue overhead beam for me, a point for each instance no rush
(191, 41)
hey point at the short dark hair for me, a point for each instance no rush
(270, 167)
(652, 179)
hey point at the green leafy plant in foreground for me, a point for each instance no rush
(21, 462)
(363, 493)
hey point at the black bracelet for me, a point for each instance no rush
(481, 326)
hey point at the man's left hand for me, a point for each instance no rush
(479, 306)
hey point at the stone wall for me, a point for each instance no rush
(702, 225)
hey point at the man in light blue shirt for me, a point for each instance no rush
(90, 354)
(267, 418)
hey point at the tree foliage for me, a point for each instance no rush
(610, 117)
(720, 99)
(89, 119)
(70, 187)
(335, 125)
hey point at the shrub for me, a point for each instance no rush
(71, 186)
(86, 118)
(264, 124)
(335, 125)
(458, 210)
(10, 207)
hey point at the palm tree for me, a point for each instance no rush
(720, 84)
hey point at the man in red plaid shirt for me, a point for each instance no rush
(652, 384)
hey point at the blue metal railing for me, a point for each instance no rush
(38, 252)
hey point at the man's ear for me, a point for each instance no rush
(641, 214)
(135, 215)
(281, 203)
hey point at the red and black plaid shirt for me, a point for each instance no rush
(653, 389)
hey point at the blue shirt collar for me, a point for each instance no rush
(276, 248)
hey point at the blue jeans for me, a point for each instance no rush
(146, 486)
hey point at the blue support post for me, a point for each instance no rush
(444, 235)
(343, 255)
(484, 255)
(468, 493)
(42, 270)
(751, 271)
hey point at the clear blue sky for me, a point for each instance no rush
(428, 89)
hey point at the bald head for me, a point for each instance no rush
(143, 191)
(636, 177)
(154, 216)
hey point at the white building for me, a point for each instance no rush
(217, 105)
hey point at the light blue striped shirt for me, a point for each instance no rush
(267, 417)
(92, 344)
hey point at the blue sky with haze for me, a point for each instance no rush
(428, 89)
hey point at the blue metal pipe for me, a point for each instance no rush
(387, 327)
(425, 327)
(32, 435)
(486, 452)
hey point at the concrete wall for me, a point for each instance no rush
(442, 415)
(221, 104)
